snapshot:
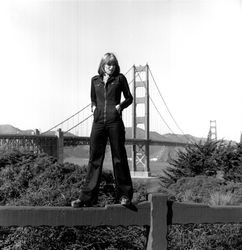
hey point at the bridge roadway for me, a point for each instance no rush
(36, 143)
(79, 140)
(85, 140)
(54, 145)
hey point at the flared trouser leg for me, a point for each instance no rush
(115, 131)
(123, 181)
(98, 142)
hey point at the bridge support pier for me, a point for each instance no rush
(60, 146)
(140, 152)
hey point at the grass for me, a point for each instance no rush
(35, 176)
(222, 199)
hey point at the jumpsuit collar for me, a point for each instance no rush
(110, 79)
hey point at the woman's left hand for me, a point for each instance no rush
(118, 108)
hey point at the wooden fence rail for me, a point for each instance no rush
(157, 212)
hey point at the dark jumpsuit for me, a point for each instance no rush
(108, 124)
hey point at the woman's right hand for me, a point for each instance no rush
(93, 108)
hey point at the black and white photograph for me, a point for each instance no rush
(120, 125)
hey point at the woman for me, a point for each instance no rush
(106, 90)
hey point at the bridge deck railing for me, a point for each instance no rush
(157, 213)
(54, 144)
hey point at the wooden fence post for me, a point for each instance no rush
(158, 222)
(60, 146)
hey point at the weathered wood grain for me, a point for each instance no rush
(56, 216)
(157, 212)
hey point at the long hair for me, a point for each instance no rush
(109, 58)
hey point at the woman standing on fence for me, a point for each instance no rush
(106, 90)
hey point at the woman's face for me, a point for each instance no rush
(109, 68)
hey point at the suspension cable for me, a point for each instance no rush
(131, 81)
(79, 112)
(157, 109)
(172, 117)
(78, 124)
(66, 119)
(128, 71)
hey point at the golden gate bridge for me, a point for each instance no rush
(75, 130)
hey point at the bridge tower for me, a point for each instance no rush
(140, 151)
(212, 135)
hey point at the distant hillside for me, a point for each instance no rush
(9, 129)
(157, 153)
(165, 137)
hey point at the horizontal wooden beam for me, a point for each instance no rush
(157, 213)
(184, 213)
(68, 216)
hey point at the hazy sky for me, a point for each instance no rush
(49, 50)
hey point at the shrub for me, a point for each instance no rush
(38, 180)
(203, 189)
(207, 158)
(211, 191)
(205, 237)
(219, 198)
(70, 238)
(194, 189)
(29, 179)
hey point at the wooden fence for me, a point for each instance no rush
(157, 212)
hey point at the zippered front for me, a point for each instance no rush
(106, 96)
(105, 103)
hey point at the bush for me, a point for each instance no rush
(207, 158)
(194, 189)
(38, 180)
(211, 191)
(70, 238)
(221, 199)
(203, 189)
(205, 237)
(30, 179)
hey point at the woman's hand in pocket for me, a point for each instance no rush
(118, 108)
(93, 109)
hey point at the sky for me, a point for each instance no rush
(49, 50)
